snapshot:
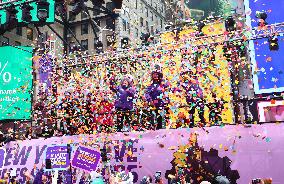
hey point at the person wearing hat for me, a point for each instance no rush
(125, 95)
(157, 98)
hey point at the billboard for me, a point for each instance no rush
(271, 111)
(15, 82)
(267, 65)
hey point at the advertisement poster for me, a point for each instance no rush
(58, 156)
(15, 82)
(86, 159)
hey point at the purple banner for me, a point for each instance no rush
(86, 159)
(2, 157)
(59, 157)
(247, 153)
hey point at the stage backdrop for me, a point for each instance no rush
(255, 152)
(205, 61)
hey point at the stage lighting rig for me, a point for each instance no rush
(262, 16)
(11, 18)
(42, 10)
(26, 13)
(230, 24)
(200, 26)
(273, 43)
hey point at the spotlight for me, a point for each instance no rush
(145, 38)
(262, 16)
(124, 42)
(26, 13)
(273, 43)
(99, 46)
(200, 26)
(42, 11)
(230, 24)
(11, 17)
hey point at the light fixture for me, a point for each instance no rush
(262, 16)
(230, 24)
(273, 43)
(42, 10)
(26, 13)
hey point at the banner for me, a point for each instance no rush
(59, 157)
(2, 157)
(86, 159)
(240, 153)
(15, 82)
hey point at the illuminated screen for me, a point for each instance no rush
(15, 82)
(267, 65)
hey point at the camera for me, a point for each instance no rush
(157, 176)
(256, 181)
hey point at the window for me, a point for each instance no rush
(84, 28)
(147, 13)
(30, 34)
(161, 22)
(136, 32)
(141, 21)
(5, 41)
(136, 4)
(156, 6)
(97, 28)
(17, 43)
(128, 27)
(152, 16)
(156, 19)
(84, 15)
(19, 31)
(72, 28)
(124, 25)
(110, 24)
(95, 11)
(141, 7)
(72, 17)
(147, 26)
(109, 6)
(152, 30)
(84, 44)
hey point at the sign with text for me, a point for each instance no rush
(15, 82)
(58, 156)
(86, 159)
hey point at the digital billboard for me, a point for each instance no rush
(15, 82)
(267, 65)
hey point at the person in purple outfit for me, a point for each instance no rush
(156, 96)
(124, 103)
(193, 95)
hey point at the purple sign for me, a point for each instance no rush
(86, 159)
(58, 156)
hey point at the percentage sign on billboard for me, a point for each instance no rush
(6, 76)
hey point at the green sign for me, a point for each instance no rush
(51, 11)
(15, 82)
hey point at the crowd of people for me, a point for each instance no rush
(96, 113)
